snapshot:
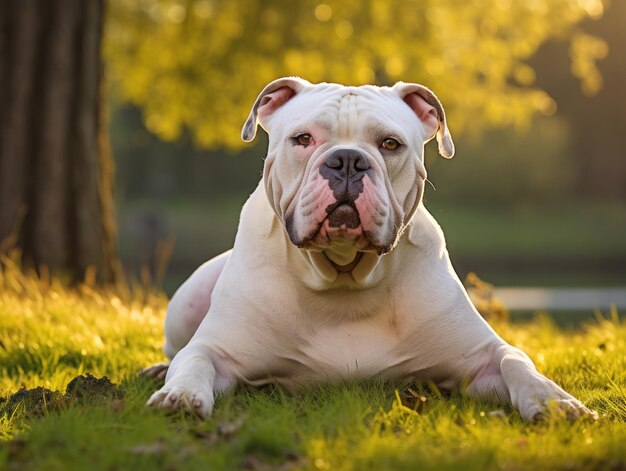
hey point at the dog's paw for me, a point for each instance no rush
(544, 399)
(175, 395)
(156, 372)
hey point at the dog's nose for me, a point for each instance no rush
(347, 163)
(344, 169)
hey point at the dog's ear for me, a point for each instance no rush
(429, 110)
(273, 96)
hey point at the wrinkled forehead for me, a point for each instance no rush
(346, 110)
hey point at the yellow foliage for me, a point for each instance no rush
(482, 295)
(198, 64)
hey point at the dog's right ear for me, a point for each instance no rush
(274, 95)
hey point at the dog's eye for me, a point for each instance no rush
(303, 139)
(390, 143)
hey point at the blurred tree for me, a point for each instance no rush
(597, 122)
(55, 169)
(198, 64)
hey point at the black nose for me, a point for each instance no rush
(347, 162)
(344, 169)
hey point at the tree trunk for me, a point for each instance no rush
(55, 166)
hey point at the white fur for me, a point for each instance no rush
(282, 314)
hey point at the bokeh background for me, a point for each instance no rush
(120, 127)
(534, 90)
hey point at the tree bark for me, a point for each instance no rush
(55, 167)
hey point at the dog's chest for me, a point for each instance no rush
(342, 338)
(351, 350)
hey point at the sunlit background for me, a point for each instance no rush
(534, 202)
(534, 90)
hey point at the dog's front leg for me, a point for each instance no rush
(189, 383)
(507, 374)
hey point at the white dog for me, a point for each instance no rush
(338, 271)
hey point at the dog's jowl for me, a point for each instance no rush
(338, 271)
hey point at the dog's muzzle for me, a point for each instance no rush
(341, 205)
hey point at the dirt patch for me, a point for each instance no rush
(35, 402)
(88, 388)
(39, 401)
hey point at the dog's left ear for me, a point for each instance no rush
(273, 96)
(430, 112)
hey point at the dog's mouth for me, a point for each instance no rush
(340, 231)
(342, 223)
(343, 216)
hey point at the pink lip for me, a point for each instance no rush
(327, 234)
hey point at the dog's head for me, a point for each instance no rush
(345, 165)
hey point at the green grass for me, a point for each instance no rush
(50, 334)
